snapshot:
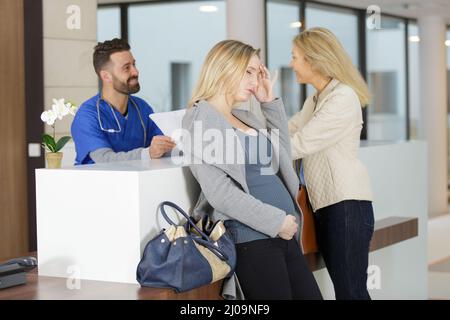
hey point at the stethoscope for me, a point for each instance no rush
(117, 120)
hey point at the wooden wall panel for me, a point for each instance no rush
(13, 153)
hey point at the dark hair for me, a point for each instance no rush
(104, 50)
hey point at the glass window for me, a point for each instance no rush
(447, 43)
(108, 23)
(342, 22)
(414, 85)
(283, 24)
(386, 79)
(170, 42)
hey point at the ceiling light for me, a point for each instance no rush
(414, 39)
(296, 24)
(208, 9)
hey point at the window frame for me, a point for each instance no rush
(362, 57)
(362, 35)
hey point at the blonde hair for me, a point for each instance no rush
(223, 69)
(327, 56)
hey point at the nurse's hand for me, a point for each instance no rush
(160, 145)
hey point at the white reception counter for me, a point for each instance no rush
(94, 221)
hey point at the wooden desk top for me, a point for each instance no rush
(387, 232)
(50, 288)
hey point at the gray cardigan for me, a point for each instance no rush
(225, 194)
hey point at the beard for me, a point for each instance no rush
(126, 87)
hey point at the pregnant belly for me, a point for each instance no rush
(271, 190)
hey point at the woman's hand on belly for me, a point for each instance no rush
(289, 228)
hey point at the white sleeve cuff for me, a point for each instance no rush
(145, 154)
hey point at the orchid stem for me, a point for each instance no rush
(54, 133)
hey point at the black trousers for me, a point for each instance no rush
(343, 232)
(275, 269)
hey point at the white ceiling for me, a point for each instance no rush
(404, 8)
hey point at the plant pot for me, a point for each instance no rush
(54, 160)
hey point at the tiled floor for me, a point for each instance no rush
(439, 258)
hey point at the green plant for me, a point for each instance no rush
(49, 143)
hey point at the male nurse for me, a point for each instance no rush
(114, 125)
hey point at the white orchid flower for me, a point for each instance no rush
(49, 117)
(59, 108)
(72, 108)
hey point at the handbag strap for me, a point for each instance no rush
(188, 218)
(205, 240)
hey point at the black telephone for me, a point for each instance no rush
(27, 263)
(13, 272)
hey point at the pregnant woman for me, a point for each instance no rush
(255, 197)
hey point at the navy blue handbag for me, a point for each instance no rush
(187, 256)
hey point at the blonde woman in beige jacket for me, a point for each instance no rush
(325, 134)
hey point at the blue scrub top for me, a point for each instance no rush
(88, 136)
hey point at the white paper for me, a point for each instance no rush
(168, 122)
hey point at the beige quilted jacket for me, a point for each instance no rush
(326, 135)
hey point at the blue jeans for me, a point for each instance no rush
(344, 231)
